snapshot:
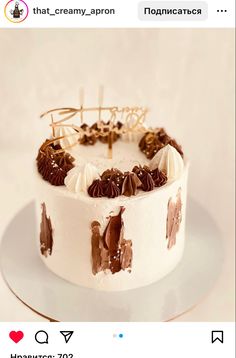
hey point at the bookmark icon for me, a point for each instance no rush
(217, 336)
(67, 335)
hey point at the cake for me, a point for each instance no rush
(111, 199)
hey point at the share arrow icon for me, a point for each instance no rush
(67, 335)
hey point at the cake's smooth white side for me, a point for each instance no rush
(145, 218)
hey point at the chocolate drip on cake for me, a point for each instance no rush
(46, 237)
(110, 250)
(174, 218)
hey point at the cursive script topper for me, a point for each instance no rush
(131, 118)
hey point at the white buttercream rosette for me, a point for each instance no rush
(70, 136)
(168, 160)
(81, 177)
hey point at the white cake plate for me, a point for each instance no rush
(56, 299)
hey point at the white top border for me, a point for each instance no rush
(117, 14)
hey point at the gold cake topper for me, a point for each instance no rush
(132, 119)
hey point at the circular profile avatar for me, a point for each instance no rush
(16, 11)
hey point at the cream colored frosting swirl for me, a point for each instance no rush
(80, 178)
(69, 134)
(168, 160)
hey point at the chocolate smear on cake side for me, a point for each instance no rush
(96, 250)
(46, 233)
(110, 250)
(174, 218)
(126, 254)
(112, 237)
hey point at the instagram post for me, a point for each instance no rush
(117, 147)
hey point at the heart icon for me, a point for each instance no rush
(16, 336)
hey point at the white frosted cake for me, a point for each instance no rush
(112, 222)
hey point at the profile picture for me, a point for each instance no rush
(16, 11)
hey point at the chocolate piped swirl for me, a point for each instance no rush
(114, 183)
(104, 137)
(152, 142)
(131, 184)
(158, 177)
(115, 175)
(144, 175)
(53, 166)
(147, 182)
(85, 139)
(111, 190)
(96, 189)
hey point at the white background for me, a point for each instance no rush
(185, 77)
